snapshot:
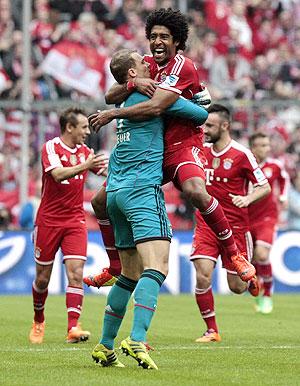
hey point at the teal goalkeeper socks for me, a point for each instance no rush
(145, 302)
(115, 309)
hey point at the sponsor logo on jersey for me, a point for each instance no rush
(73, 159)
(171, 80)
(209, 175)
(227, 163)
(216, 163)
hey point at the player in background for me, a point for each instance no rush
(229, 169)
(167, 32)
(136, 208)
(264, 217)
(60, 220)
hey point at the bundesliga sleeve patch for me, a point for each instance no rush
(259, 175)
(171, 80)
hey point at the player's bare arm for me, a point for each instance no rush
(92, 162)
(161, 100)
(258, 193)
(119, 92)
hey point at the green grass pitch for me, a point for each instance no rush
(255, 349)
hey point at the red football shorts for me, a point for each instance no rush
(182, 164)
(207, 246)
(264, 232)
(47, 241)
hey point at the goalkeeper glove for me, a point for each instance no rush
(202, 98)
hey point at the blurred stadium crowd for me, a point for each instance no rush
(246, 51)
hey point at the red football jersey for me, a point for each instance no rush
(229, 171)
(62, 202)
(179, 75)
(279, 181)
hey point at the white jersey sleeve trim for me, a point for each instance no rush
(52, 156)
(173, 89)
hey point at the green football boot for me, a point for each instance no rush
(106, 357)
(266, 305)
(139, 352)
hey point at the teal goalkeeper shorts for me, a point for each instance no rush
(138, 215)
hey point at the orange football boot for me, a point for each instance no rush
(243, 267)
(36, 335)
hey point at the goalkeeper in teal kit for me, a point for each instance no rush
(136, 208)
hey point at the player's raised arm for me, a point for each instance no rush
(185, 109)
(161, 100)
(119, 92)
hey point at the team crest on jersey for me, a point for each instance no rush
(268, 172)
(73, 159)
(37, 252)
(216, 163)
(227, 163)
(163, 76)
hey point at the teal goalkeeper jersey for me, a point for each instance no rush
(137, 157)
(136, 160)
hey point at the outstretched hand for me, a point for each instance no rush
(97, 162)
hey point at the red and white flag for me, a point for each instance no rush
(78, 66)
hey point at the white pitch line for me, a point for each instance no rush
(202, 347)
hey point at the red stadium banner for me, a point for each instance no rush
(78, 66)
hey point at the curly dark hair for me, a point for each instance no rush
(175, 21)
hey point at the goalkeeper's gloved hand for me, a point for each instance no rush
(202, 98)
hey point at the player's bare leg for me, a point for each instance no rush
(74, 300)
(108, 276)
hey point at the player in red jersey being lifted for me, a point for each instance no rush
(264, 216)
(229, 169)
(175, 76)
(60, 221)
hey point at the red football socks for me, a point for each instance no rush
(205, 301)
(109, 244)
(215, 218)
(74, 299)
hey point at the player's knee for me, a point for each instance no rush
(261, 254)
(75, 276)
(203, 279)
(196, 193)
(238, 287)
(42, 282)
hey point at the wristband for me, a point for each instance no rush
(130, 86)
